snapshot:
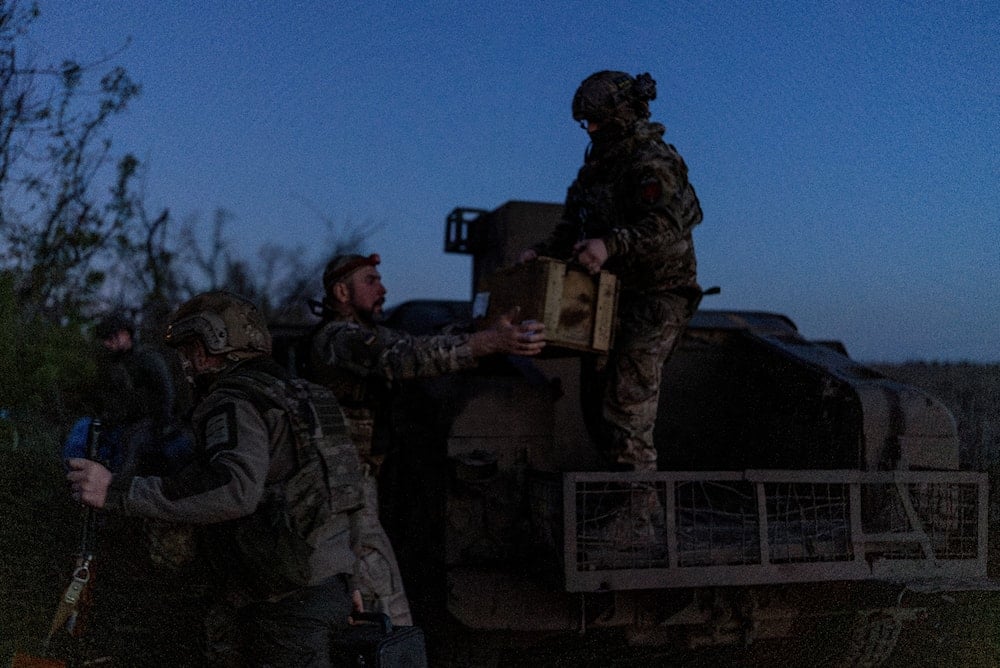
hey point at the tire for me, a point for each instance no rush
(873, 638)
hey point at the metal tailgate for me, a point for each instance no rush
(763, 527)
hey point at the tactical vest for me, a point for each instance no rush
(297, 514)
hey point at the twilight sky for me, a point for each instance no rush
(846, 154)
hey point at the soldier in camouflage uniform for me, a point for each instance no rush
(360, 361)
(275, 479)
(631, 211)
(138, 403)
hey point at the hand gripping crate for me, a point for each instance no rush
(577, 308)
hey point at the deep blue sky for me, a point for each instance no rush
(846, 154)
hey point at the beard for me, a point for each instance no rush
(371, 316)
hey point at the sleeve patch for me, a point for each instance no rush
(219, 430)
(651, 191)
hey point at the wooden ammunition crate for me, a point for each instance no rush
(578, 309)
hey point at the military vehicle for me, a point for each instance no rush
(796, 485)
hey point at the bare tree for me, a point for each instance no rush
(281, 279)
(75, 235)
(210, 258)
(290, 277)
(59, 221)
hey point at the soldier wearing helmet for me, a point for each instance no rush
(631, 211)
(362, 361)
(252, 481)
(608, 104)
(215, 330)
(137, 399)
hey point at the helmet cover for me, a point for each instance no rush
(609, 96)
(226, 323)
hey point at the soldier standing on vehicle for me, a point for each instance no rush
(361, 361)
(631, 211)
(275, 478)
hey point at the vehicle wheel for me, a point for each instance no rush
(859, 640)
(872, 639)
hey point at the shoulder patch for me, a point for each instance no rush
(651, 190)
(219, 429)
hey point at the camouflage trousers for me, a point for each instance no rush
(377, 574)
(649, 328)
(377, 571)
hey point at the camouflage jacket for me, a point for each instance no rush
(362, 364)
(245, 482)
(634, 194)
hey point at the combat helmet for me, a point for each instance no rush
(610, 97)
(226, 324)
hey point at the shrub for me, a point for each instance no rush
(45, 369)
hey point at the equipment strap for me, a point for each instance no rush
(68, 611)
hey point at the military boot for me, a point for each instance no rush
(635, 528)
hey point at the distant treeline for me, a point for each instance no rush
(972, 393)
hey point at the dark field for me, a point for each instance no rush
(146, 616)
